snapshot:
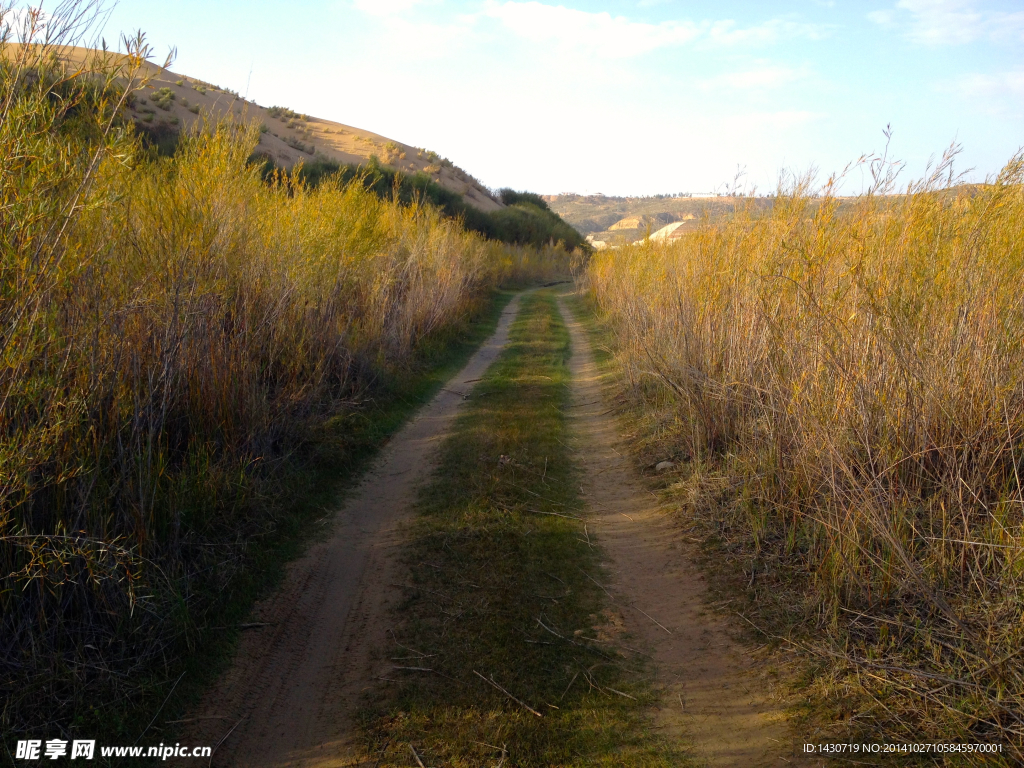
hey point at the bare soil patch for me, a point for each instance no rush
(288, 696)
(713, 695)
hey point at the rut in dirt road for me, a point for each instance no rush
(287, 698)
(709, 698)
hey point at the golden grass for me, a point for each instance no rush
(167, 328)
(844, 391)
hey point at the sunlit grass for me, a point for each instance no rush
(841, 382)
(173, 331)
(498, 640)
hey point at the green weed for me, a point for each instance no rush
(500, 606)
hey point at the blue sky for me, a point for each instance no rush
(624, 97)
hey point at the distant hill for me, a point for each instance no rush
(618, 220)
(173, 101)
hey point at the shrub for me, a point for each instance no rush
(300, 145)
(285, 114)
(523, 224)
(841, 380)
(392, 152)
(163, 98)
(511, 197)
(175, 328)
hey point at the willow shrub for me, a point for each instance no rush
(170, 330)
(842, 381)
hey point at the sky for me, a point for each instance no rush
(625, 98)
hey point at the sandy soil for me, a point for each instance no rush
(713, 696)
(288, 697)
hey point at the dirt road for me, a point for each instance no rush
(288, 697)
(711, 697)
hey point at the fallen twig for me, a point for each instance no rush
(556, 514)
(525, 706)
(653, 619)
(569, 685)
(225, 738)
(161, 707)
(620, 693)
(596, 582)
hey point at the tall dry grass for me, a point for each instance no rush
(842, 382)
(169, 328)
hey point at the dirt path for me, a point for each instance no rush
(288, 697)
(711, 696)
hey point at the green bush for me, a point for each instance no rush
(163, 98)
(159, 139)
(300, 145)
(284, 113)
(523, 222)
(511, 197)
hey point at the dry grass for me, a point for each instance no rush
(169, 328)
(844, 393)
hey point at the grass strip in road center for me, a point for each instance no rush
(502, 653)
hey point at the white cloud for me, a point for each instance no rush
(997, 95)
(951, 22)
(761, 77)
(780, 119)
(616, 36)
(385, 7)
(619, 37)
(772, 31)
(611, 37)
(991, 86)
(416, 36)
(938, 22)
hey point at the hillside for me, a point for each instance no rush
(618, 220)
(171, 102)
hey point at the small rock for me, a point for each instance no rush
(664, 466)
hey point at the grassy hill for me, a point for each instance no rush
(171, 102)
(168, 104)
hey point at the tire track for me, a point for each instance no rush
(288, 696)
(710, 695)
